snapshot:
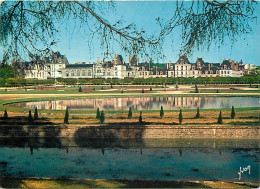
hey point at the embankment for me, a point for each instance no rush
(136, 131)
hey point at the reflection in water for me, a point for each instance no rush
(144, 103)
(147, 159)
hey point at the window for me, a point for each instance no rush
(181, 67)
(72, 73)
(161, 73)
(78, 73)
(89, 73)
(83, 73)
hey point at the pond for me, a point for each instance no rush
(144, 103)
(142, 159)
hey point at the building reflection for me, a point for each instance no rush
(137, 103)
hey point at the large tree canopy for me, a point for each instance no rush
(31, 27)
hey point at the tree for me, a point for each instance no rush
(80, 89)
(36, 114)
(140, 118)
(98, 114)
(233, 113)
(142, 90)
(130, 115)
(5, 114)
(196, 89)
(220, 118)
(180, 117)
(102, 117)
(25, 26)
(151, 89)
(198, 113)
(66, 118)
(161, 112)
(30, 118)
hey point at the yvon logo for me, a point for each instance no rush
(248, 168)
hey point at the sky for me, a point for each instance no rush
(72, 42)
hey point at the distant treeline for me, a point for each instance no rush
(11, 82)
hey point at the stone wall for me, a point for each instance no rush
(138, 131)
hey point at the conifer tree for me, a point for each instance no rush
(217, 91)
(142, 90)
(66, 118)
(198, 113)
(30, 118)
(130, 114)
(233, 113)
(102, 117)
(122, 91)
(111, 86)
(140, 118)
(220, 118)
(151, 89)
(161, 112)
(80, 89)
(180, 117)
(36, 114)
(98, 114)
(196, 89)
(5, 114)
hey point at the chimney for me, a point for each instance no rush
(232, 64)
(130, 57)
(220, 62)
(209, 67)
(98, 60)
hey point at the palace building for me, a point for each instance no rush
(58, 67)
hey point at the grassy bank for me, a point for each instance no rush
(104, 183)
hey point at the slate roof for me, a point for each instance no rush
(185, 60)
(79, 65)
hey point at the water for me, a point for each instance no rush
(142, 159)
(144, 103)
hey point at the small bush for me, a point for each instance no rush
(161, 112)
(220, 118)
(5, 114)
(151, 89)
(140, 118)
(30, 118)
(66, 118)
(142, 90)
(36, 114)
(98, 114)
(102, 117)
(80, 89)
(198, 113)
(233, 113)
(130, 114)
(180, 117)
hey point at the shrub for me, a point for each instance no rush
(180, 117)
(196, 89)
(151, 89)
(80, 89)
(233, 113)
(111, 86)
(161, 112)
(36, 114)
(102, 117)
(198, 113)
(66, 118)
(30, 118)
(217, 91)
(142, 90)
(5, 114)
(140, 118)
(130, 114)
(122, 91)
(98, 114)
(220, 118)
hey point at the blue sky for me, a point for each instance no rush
(143, 13)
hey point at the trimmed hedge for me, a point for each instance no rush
(12, 82)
